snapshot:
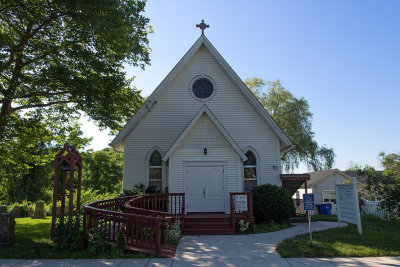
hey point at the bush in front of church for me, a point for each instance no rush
(272, 203)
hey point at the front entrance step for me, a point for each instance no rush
(208, 220)
(208, 224)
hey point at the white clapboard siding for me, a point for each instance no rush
(327, 183)
(175, 108)
(219, 151)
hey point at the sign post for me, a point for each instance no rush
(309, 205)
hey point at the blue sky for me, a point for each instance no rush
(343, 57)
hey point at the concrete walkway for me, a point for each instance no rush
(244, 247)
(228, 250)
(279, 262)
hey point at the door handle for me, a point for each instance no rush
(204, 193)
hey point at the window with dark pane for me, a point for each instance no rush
(251, 159)
(202, 88)
(250, 172)
(155, 171)
(155, 159)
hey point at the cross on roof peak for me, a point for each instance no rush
(202, 26)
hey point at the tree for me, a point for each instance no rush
(69, 55)
(27, 154)
(102, 171)
(386, 186)
(58, 60)
(293, 116)
(354, 166)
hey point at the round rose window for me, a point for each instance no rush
(202, 88)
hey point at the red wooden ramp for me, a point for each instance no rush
(166, 250)
(210, 223)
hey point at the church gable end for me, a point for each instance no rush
(202, 60)
(173, 105)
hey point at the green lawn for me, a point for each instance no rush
(322, 217)
(379, 238)
(269, 227)
(32, 242)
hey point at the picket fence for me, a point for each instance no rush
(374, 208)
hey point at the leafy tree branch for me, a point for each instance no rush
(52, 47)
(294, 117)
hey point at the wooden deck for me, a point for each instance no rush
(143, 220)
(166, 250)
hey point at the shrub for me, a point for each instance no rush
(98, 242)
(69, 233)
(139, 189)
(120, 247)
(24, 208)
(91, 195)
(243, 226)
(272, 203)
(174, 233)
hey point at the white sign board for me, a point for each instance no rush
(347, 206)
(240, 203)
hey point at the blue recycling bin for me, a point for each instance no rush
(326, 209)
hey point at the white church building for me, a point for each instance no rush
(203, 133)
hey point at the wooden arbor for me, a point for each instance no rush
(67, 160)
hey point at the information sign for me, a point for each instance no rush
(240, 203)
(308, 201)
(347, 204)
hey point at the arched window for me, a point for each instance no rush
(250, 172)
(155, 170)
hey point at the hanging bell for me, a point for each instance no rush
(65, 167)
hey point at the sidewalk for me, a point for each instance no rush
(227, 250)
(278, 262)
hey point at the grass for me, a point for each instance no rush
(269, 227)
(32, 242)
(379, 238)
(322, 217)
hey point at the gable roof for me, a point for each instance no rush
(152, 99)
(318, 176)
(207, 111)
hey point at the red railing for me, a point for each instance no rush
(241, 208)
(159, 205)
(113, 204)
(143, 220)
(299, 205)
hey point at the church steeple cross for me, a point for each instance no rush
(202, 26)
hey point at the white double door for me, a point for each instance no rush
(205, 188)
